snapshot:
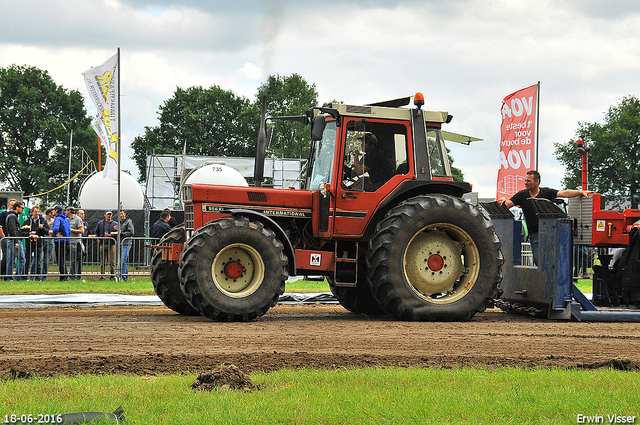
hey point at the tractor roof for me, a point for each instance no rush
(371, 111)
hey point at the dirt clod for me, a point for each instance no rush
(224, 378)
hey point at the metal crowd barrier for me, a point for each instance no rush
(582, 260)
(526, 254)
(87, 251)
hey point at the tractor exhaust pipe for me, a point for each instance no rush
(261, 146)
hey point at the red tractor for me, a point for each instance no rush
(380, 217)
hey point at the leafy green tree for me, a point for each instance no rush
(211, 122)
(456, 173)
(34, 145)
(288, 95)
(613, 157)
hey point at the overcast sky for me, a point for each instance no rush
(464, 55)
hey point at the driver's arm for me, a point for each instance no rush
(358, 167)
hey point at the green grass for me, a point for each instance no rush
(134, 286)
(343, 396)
(585, 285)
(143, 286)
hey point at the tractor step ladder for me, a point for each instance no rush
(345, 272)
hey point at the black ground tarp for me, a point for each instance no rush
(88, 300)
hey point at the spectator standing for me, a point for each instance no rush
(172, 221)
(38, 229)
(161, 226)
(126, 232)
(47, 247)
(84, 224)
(61, 233)
(13, 230)
(107, 228)
(523, 200)
(5, 244)
(76, 227)
(84, 243)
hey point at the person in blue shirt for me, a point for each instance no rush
(61, 231)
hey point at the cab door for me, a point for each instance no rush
(367, 174)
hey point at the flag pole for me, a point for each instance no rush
(537, 125)
(119, 147)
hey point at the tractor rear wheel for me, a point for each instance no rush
(164, 275)
(233, 269)
(434, 257)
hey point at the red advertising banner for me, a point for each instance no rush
(518, 140)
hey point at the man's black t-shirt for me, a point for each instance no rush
(380, 168)
(522, 200)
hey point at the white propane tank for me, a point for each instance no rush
(216, 173)
(98, 193)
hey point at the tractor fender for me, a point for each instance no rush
(271, 224)
(409, 189)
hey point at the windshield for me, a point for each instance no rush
(437, 154)
(323, 157)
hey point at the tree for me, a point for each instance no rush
(212, 122)
(456, 173)
(614, 155)
(288, 95)
(34, 148)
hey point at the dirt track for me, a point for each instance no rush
(149, 340)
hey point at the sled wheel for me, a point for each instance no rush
(233, 269)
(164, 275)
(434, 257)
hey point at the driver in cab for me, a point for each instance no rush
(374, 162)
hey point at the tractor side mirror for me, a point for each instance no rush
(317, 127)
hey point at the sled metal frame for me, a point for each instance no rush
(549, 286)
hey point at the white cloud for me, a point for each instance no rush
(250, 71)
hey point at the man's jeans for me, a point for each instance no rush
(5, 244)
(61, 252)
(75, 253)
(533, 240)
(46, 257)
(13, 255)
(125, 256)
(34, 255)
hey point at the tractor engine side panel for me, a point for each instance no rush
(211, 201)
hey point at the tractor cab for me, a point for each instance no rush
(362, 157)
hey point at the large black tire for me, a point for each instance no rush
(233, 269)
(359, 299)
(164, 275)
(434, 257)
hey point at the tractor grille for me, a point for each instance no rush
(581, 210)
(188, 217)
(257, 196)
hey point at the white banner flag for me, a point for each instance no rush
(102, 83)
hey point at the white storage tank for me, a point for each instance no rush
(216, 173)
(98, 193)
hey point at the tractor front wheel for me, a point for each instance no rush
(233, 269)
(164, 275)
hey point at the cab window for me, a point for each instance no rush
(374, 152)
